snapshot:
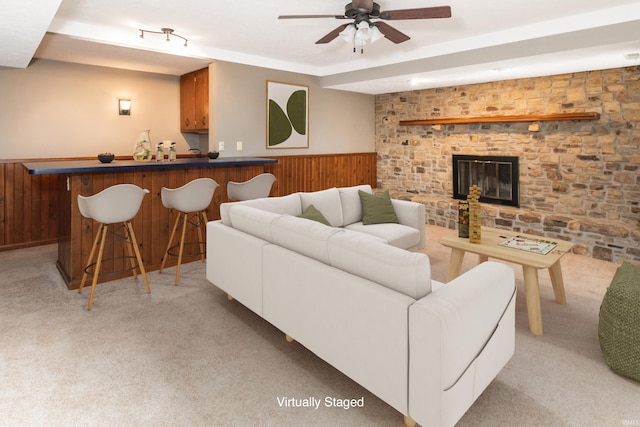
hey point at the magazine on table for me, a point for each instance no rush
(529, 244)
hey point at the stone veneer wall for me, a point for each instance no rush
(579, 180)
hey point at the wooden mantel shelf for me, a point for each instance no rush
(504, 119)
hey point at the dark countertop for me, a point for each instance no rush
(89, 166)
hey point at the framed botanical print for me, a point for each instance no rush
(287, 115)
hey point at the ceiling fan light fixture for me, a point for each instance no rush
(348, 33)
(375, 34)
(363, 33)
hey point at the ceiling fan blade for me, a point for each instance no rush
(332, 35)
(311, 16)
(391, 33)
(362, 5)
(419, 13)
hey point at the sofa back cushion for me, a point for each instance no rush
(289, 204)
(256, 222)
(302, 235)
(327, 202)
(351, 204)
(365, 256)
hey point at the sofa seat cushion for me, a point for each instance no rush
(398, 235)
(300, 235)
(362, 255)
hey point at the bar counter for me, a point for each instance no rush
(90, 166)
(153, 222)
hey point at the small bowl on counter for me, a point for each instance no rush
(213, 154)
(106, 157)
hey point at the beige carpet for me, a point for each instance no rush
(186, 356)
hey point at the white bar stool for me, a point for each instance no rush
(190, 201)
(257, 187)
(113, 205)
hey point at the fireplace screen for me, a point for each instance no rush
(497, 177)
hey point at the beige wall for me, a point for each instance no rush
(339, 122)
(55, 109)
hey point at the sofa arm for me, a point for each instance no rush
(411, 214)
(460, 336)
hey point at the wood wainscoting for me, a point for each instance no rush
(29, 203)
(28, 207)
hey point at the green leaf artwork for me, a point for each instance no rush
(287, 112)
(297, 111)
(279, 126)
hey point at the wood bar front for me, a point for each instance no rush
(152, 224)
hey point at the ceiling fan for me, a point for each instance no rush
(363, 11)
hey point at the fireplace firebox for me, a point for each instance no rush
(497, 177)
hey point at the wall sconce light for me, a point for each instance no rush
(124, 107)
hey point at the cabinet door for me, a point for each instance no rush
(187, 103)
(202, 99)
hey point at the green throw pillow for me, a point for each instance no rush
(312, 213)
(377, 209)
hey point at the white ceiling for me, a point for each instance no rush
(483, 40)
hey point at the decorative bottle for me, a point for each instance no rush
(475, 220)
(172, 152)
(160, 152)
(463, 219)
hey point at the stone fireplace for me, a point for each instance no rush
(578, 180)
(497, 177)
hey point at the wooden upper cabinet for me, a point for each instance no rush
(194, 101)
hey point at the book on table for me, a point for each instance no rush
(538, 246)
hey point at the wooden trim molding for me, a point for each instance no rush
(504, 119)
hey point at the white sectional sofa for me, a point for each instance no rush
(359, 298)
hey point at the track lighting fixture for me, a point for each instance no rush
(167, 32)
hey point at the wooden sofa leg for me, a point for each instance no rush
(288, 338)
(229, 297)
(408, 421)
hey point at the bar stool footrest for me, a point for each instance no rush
(171, 252)
(89, 268)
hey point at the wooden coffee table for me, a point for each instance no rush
(530, 262)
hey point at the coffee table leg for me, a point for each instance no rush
(558, 284)
(532, 295)
(455, 263)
